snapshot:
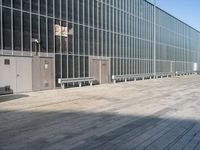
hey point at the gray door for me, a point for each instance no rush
(104, 71)
(23, 74)
(42, 73)
(46, 73)
(100, 70)
(172, 66)
(95, 69)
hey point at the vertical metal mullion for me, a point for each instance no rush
(89, 41)
(102, 31)
(116, 44)
(110, 32)
(61, 54)
(106, 53)
(73, 39)
(93, 28)
(78, 40)
(154, 38)
(130, 39)
(12, 42)
(30, 15)
(83, 38)
(54, 44)
(39, 47)
(113, 40)
(22, 44)
(97, 11)
(67, 57)
(47, 42)
(1, 31)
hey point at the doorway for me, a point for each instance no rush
(23, 75)
(172, 66)
(16, 72)
(100, 69)
(42, 73)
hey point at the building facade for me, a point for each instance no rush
(101, 38)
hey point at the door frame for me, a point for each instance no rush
(100, 59)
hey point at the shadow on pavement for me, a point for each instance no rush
(6, 98)
(88, 131)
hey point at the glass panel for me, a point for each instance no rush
(57, 8)
(50, 35)
(70, 66)
(26, 5)
(57, 36)
(81, 11)
(81, 42)
(64, 66)
(43, 7)
(42, 34)
(34, 6)
(70, 11)
(64, 37)
(70, 38)
(81, 64)
(6, 2)
(50, 7)
(35, 27)
(76, 39)
(75, 4)
(17, 30)
(6, 28)
(26, 31)
(58, 69)
(17, 4)
(64, 9)
(86, 11)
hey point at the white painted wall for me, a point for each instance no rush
(17, 75)
(8, 73)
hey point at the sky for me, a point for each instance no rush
(187, 11)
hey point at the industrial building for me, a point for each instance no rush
(42, 41)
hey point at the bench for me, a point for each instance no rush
(181, 73)
(164, 74)
(5, 90)
(131, 76)
(64, 81)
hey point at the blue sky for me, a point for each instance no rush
(187, 11)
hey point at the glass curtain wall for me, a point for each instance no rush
(74, 30)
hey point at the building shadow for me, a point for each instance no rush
(5, 98)
(88, 131)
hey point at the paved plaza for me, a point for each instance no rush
(151, 114)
